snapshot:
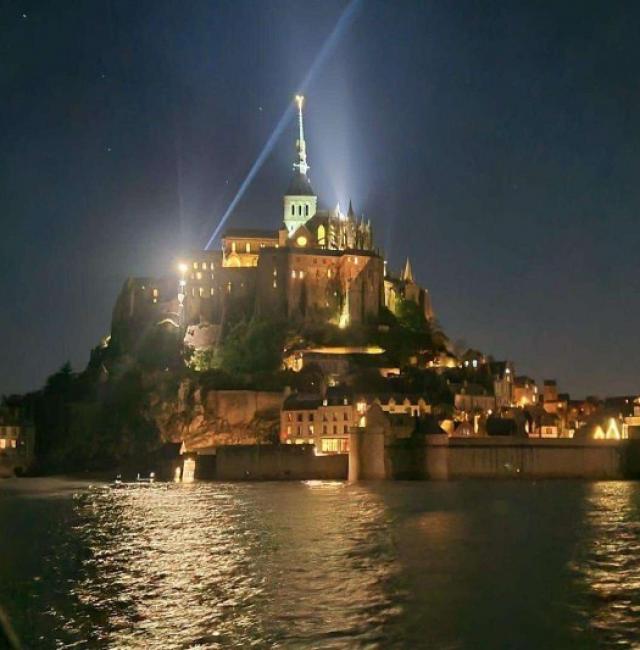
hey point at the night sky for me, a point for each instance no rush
(495, 143)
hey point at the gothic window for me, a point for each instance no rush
(300, 210)
(293, 210)
(321, 235)
(306, 210)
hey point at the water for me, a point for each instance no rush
(322, 565)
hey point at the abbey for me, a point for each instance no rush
(318, 265)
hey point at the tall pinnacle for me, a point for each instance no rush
(301, 164)
(407, 274)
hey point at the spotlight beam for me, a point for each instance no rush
(345, 20)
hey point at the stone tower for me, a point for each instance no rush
(300, 201)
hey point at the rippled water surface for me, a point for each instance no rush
(322, 565)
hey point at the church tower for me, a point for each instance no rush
(300, 201)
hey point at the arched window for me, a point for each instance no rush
(300, 210)
(306, 210)
(321, 235)
(293, 210)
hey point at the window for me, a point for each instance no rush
(301, 274)
(300, 417)
(233, 247)
(293, 210)
(300, 210)
(335, 428)
(289, 430)
(199, 275)
(311, 429)
(195, 265)
(204, 266)
(275, 273)
(328, 273)
(3, 443)
(346, 416)
(299, 430)
(211, 291)
(301, 241)
(293, 274)
(14, 444)
(247, 247)
(346, 429)
(229, 286)
(310, 417)
(155, 293)
(200, 291)
(324, 428)
(275, 284)
(306, 210)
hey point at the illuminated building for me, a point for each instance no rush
(314, 265)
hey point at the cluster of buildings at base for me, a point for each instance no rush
(514, 407)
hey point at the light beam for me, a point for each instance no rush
(345, 20)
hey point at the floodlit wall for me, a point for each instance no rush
(278, 462)
(509, 457)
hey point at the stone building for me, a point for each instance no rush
(16, 441)
(317, 265)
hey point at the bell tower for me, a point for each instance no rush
(300, 201)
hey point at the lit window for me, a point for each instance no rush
(3, 443)
(328, 273)
(195, 265)
(275, 284)
(301, 274)
(275, 273)
(247, 247)
(200, 291)
(204, 266)
(311, 429)
(211, 291)
(289, 430)
(14, 443)
(293, 274)
(199, 275)
(229, 287)
(155, 293)
(301, 241)
(233, 247)
(193, 292)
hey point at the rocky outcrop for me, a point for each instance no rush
(211, 418)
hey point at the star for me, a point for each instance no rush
(24, 16)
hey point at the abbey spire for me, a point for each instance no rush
(301, 146)
(300, 201)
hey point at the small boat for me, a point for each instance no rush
(139, 482)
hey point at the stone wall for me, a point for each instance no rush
(278, 462)
(509, 457)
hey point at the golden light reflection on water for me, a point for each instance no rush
(608, 562)
(219, 566)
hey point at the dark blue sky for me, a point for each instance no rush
(496, 143)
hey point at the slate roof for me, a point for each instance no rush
(251, 233)
(300, 186)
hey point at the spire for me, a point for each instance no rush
(407, 274)
(301, 164)
(350, 212)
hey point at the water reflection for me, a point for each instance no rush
(218, 566)
(608, 562)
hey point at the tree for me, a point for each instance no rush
(253, 347)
